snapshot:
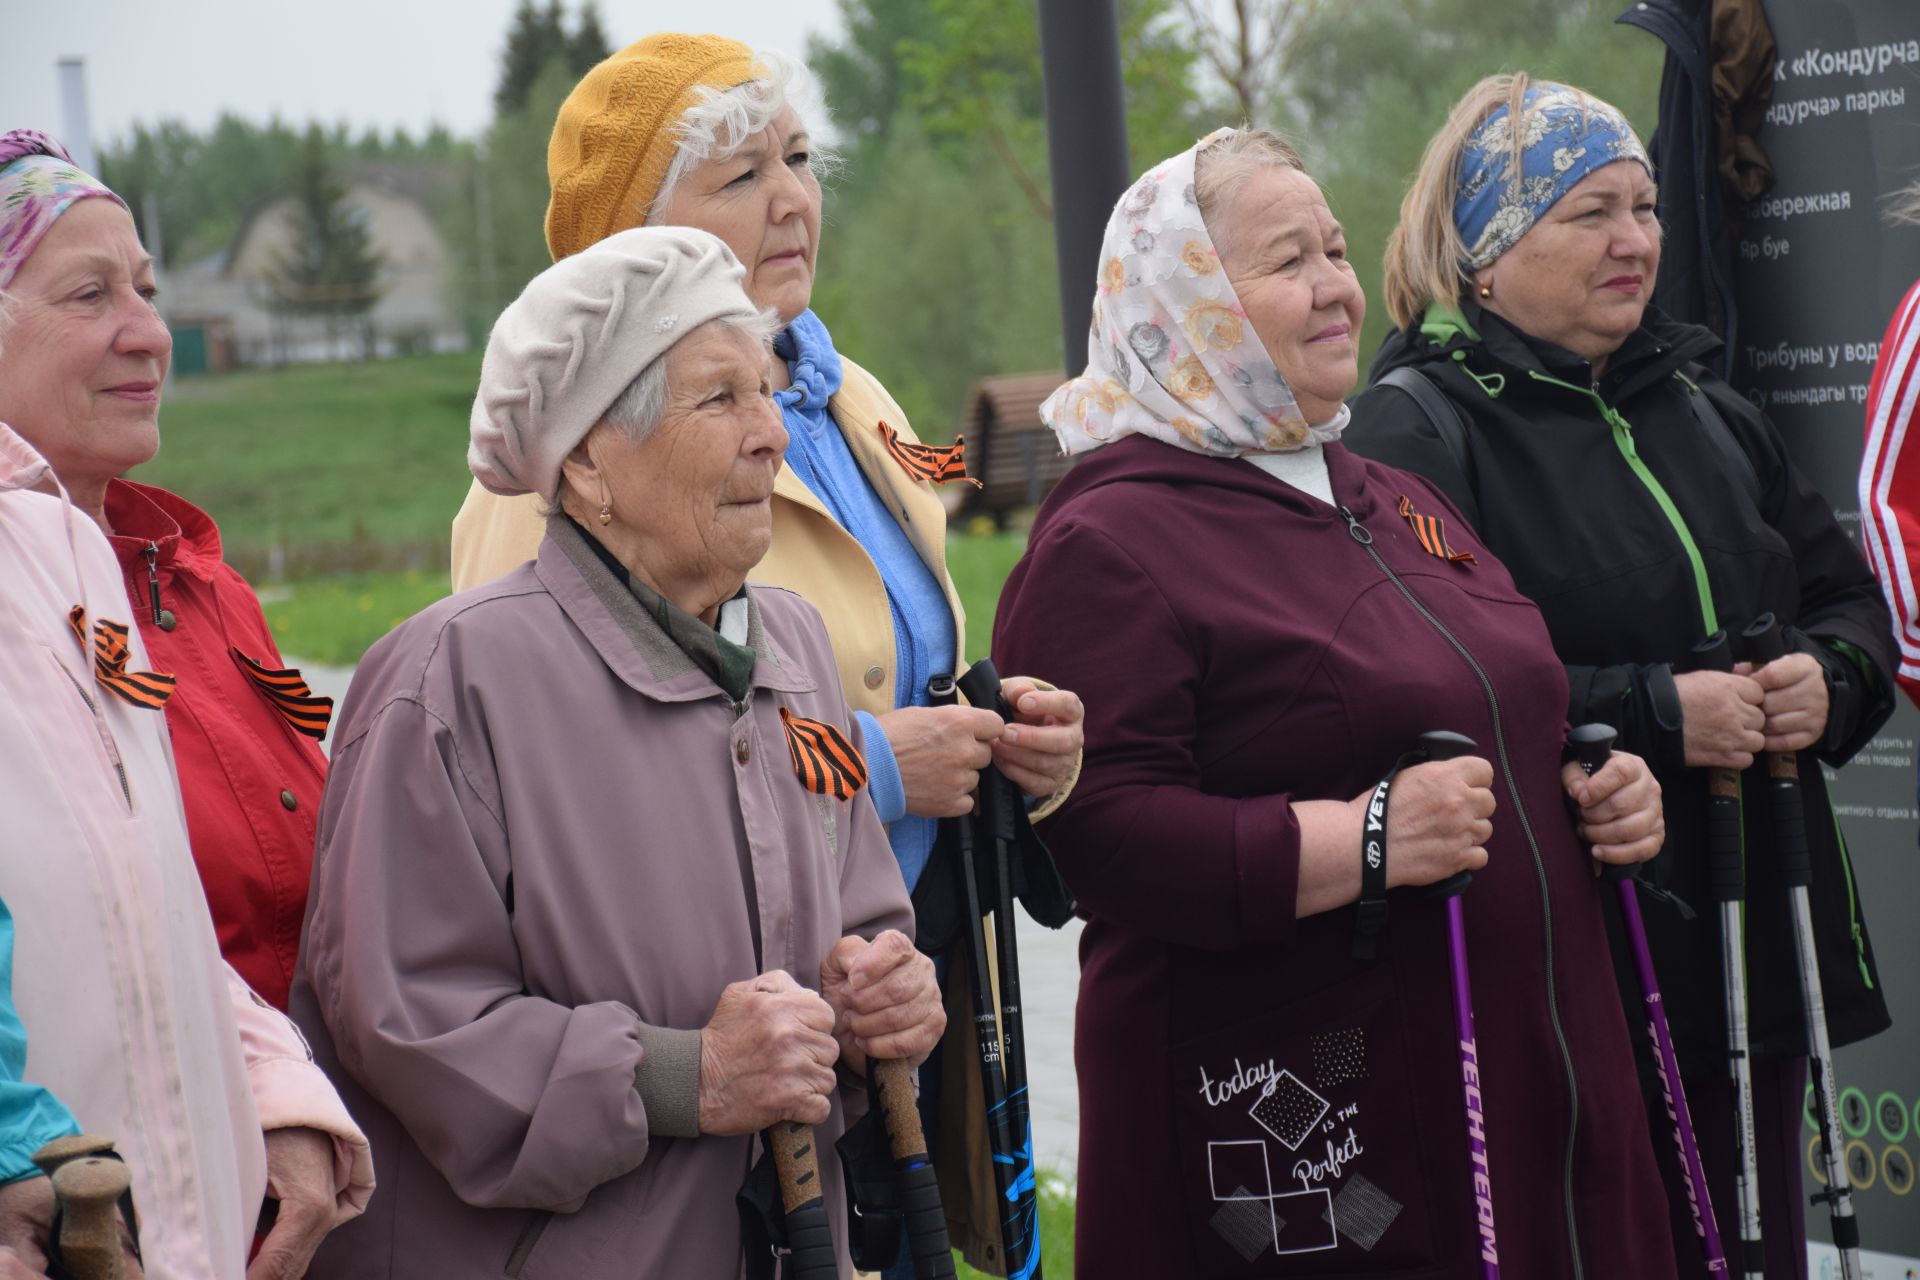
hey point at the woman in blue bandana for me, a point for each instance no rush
(1643, 504)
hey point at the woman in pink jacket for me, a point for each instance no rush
(135, 1021)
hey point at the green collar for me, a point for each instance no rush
(1442, 322)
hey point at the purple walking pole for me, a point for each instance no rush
(1447, 746)
(1592, 744)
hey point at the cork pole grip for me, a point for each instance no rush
(926, 1217)
(88, 1185)
(809, 1238)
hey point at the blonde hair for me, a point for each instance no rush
(1904, 205)
(1426, 259)
(1223, 165)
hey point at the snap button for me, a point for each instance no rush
(741, 751)
(167, 621)
(874, 677)
(289, 801)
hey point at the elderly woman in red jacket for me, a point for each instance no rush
(1261, 624)
(83, 388)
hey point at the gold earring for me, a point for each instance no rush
(1486, 290)
(606, 513)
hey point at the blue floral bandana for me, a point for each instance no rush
(1565, 135)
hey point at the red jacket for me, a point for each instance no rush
(251, 782)
(1890, 482)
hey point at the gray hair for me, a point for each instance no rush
(721, 121)
(637, 410)
(1222, 167)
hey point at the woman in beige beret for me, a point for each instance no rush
(600, 891)
(700, 131)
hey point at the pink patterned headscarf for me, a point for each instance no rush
(1171, 353)
(38, 180)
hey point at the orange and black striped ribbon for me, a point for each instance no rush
(111, 648)
(827, 763)
(939, 464)
(1432, 532)
(288, 692)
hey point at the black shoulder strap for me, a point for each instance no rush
(1733, 457)
(1440, 411)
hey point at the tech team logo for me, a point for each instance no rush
(1376, 826)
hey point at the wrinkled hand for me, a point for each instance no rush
(1621, 816)
(26, 1224)
(1439, 819)
(300, 1177)
(1037, 751)
(767, 1054)
(15, 1267)
(1721, 718)
(885, 1001)
(26, 1218)
(940, 752)
(1795, 701)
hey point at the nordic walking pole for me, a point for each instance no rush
(809, 1237)
(1593, 744)
(981, 684)
(1447, 746)
(926, 1217)
(88, 1183)
(1764, 645)
(1727, 876)
(986, 1021)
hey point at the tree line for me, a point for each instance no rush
(937, 258)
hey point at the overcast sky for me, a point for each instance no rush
(368, 62)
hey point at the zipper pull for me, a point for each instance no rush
(162, 618)
(1361, 534)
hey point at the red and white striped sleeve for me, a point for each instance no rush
(1890, 482)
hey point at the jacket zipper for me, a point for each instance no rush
(1853, 905)
(1364, 536)
(1623, 441)
(106, 740)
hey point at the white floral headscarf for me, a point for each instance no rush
(1170, 353)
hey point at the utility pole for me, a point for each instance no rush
(1086, 149)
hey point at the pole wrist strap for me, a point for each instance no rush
(1370, 913)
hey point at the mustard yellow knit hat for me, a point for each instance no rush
(614, 140)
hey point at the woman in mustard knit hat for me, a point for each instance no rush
(702, 131)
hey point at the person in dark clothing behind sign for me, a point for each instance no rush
(1261, 623)
(1642, 504)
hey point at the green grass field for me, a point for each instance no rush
(347, 465)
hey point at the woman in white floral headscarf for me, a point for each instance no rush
(1261, 624)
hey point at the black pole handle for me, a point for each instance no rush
(1592, 748)
(981, 685)
(1764, 641)
(1436, 745)
(1726, 869)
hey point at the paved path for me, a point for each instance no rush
(1049, 979)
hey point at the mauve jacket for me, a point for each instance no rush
(1254, 1101)
(544, 839)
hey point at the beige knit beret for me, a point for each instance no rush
(564, 350)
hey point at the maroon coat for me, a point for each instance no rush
(1255, 1101)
